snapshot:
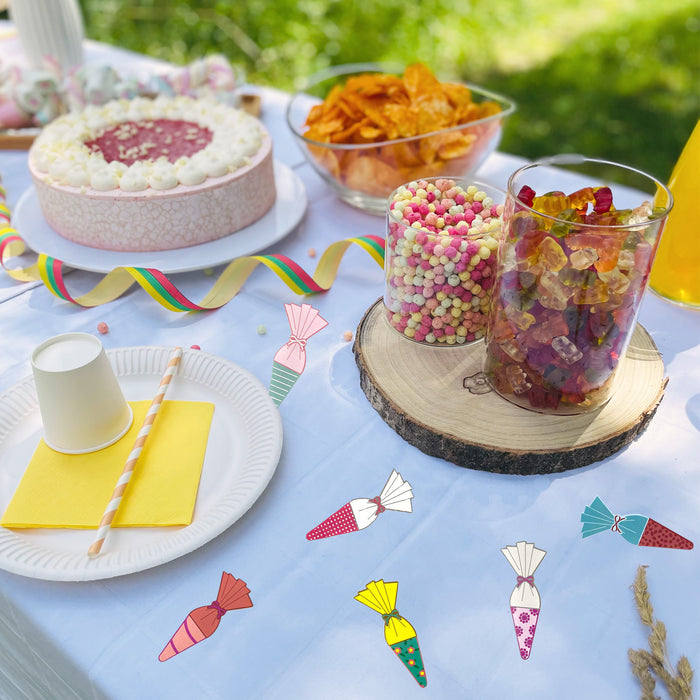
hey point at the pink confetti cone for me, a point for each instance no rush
(362, 512)
(525, 623)
(289, 361)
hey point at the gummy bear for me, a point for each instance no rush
(566, 349)
(527, 244)
(522, 319)
(616, 281)
(518, 379)
(526, 195)
(561, 228)
(550, 326)
(625, 261)
(551, 255)
(500, 328)
(582, 198)
(583, 258)
(592, 295)
(603, 199)
(511, 348)
(554, 294)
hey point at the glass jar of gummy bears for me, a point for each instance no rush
(440, 257)
(572, 268)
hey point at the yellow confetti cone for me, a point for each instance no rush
(398, 632)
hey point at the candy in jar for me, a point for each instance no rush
(572, 269)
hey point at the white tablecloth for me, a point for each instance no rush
(306, 637)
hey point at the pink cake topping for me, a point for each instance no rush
(131, 141)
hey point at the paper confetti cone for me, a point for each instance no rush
(290, 360)
(637, 529)
(524, 557)
(398, 632)
(203, 621)
(362, 512)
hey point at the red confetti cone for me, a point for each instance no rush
(657, 535)
(362, 512)
(342, 521)
(203, 621)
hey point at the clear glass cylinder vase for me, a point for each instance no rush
(573, 265)
(440, 255)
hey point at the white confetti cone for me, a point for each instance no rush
(525, 605)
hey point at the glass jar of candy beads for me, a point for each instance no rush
(572, 268)
(441, 245)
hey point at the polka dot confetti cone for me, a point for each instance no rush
(290, 360)
(362, 512)
(637, 529)
(203, 621)
(398, 632)
(524, 557)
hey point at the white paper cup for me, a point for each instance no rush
(81, 403)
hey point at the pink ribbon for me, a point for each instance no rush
(304, 321)
(380, 507)
(220, 612)
(526, 579)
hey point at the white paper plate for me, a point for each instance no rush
(244, 446)
(282, 219)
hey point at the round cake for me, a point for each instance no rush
(153, 174)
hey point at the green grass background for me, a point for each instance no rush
(618, 79)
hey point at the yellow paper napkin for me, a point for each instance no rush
(60, 490)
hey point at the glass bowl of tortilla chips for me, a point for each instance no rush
(366, 128)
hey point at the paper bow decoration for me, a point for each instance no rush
(290, 360)
(203, 621)
(30, 97)
(398, 631)
(524, 557)
(637, 529)
(362, 512)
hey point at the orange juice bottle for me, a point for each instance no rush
(676, 271)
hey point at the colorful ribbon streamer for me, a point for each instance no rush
(115, 283)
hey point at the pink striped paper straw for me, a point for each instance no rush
(128, 470)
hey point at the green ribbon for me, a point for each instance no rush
(388, 616)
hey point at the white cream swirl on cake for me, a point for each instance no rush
(145, 175)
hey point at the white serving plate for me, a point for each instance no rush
(244, 446)
(284, 216)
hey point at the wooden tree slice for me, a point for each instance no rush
(438, 400)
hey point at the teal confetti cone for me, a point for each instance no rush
(282, 381)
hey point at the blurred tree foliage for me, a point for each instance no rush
(618, 79)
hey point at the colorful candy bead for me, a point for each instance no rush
(442, 241)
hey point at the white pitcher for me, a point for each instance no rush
(49, 29)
